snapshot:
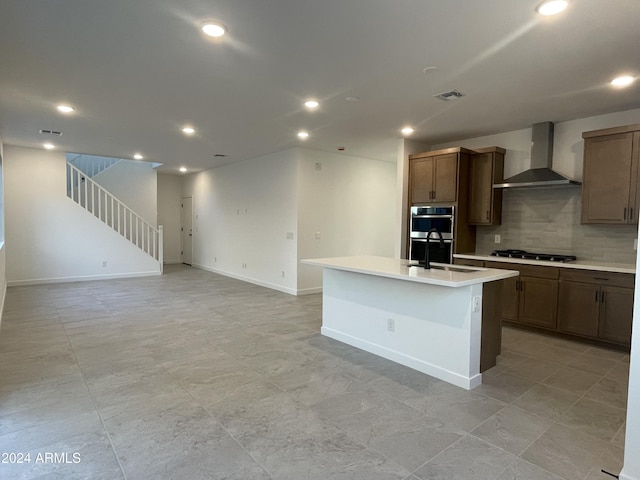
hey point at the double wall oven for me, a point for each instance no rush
(423, 219)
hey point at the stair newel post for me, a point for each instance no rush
(161, 247)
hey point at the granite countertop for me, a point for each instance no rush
(403, 270)
(579, 264)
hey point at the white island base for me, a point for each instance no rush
(430, 321)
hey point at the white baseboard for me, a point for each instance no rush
(627, 476)
(172, 262)
(84, 278)
(254, 281)
(406, 360)
(309, 291)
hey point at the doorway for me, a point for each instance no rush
(186, 223)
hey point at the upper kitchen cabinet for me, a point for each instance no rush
(438, 176)
(610, 193)
(485, 202)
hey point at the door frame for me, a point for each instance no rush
(184, 234)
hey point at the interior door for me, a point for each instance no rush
(187, 230)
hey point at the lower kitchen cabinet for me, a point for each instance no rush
(586, 304)
(531, 298)
(597, 305)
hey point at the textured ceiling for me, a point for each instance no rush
(136, 71)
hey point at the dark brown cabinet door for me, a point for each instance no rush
(616, 314)
(606, 191)
(510, 298)
(538, 301)
(445, 178)
(480, 190)
(421, 173)
(578, 308)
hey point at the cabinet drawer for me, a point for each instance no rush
(527, 270)
(468, 262)
(601, 278)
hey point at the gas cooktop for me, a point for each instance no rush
(550, 257)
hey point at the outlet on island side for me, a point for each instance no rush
(391, 325)
(477, 302)
(497, 239)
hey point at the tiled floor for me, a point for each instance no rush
(193, 376)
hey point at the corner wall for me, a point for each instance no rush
(49, 237)
(350, 204)
(242, 213)
(169, 197)
(3, 278)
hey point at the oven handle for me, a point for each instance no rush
(432, 240)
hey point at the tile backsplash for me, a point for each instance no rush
(548, 220)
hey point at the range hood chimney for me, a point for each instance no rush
(540, 175)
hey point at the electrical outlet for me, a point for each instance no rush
(104, 264)
(318, 166)
(497, 239)
(391, 325)
(635, 244)
(282, 273)
(289, 235)
(477, 301)
(317, 235)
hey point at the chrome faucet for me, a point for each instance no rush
(427, 264)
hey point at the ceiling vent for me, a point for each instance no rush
(221, 155)
(447, 96)
(50, 132)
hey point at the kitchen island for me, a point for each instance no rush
(434, 321)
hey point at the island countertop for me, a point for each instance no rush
(402, 269)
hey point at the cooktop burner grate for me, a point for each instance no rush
(549, 257)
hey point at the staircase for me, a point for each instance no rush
(96, 200)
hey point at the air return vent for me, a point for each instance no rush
(447, 96)
(50, 132)
(221, 155)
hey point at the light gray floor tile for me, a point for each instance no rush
(535, 369)
(565, 452)
(523, 470)
(594, 418)
(505, 387)
(573, 380)
(470, 458)
(547, 401)
(512, 429)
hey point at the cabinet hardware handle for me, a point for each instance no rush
(602, 279)
(631, 213)
(434, 194)
(602, 297)
(487, 214)
(625, 213)
(596, 296)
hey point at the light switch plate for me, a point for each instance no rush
(497, 239)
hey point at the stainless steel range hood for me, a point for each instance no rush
(540, 175)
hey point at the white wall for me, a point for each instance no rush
(568, 146)
(169, 197)
(242, 213)
(135, 184)
(3, 279)
(351, 202)
(48, 236)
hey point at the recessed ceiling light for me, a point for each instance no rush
(302, 134)
(183, 169)
(49, 146)
(407, 130)
(65, 108)
(188, 130)
(551, 7)
(352, 99)
(623, 81)
(214, 28)
(311, 104)
(138, 156)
